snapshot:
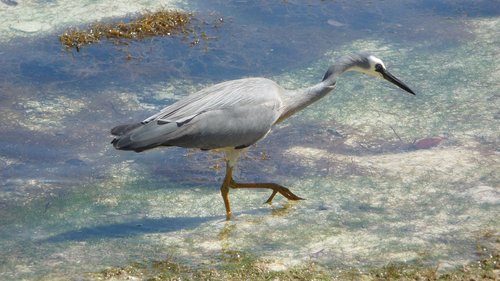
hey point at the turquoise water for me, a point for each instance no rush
(71, 204)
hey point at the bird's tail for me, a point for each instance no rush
(124, 129)
(139, 136)
(122, 134)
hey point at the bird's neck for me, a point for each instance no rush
(296, 100)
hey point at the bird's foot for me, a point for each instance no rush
(283, 191)
(230, 183)
(275, 187)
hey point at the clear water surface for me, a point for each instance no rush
(379, 187)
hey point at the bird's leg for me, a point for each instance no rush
(275, 187)
(230, 183)
(224, 189)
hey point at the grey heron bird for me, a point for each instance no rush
(233, 115)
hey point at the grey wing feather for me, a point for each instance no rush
(222, 95)
(145, 137)
(233, 113)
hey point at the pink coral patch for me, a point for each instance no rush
(427, 143)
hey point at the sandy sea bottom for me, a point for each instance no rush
(373, 195)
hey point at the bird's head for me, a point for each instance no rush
(373, 66)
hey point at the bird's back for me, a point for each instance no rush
(235, 113)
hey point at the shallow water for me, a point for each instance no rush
(71, 204)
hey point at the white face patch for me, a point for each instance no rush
(374, 61)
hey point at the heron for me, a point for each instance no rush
(231, 116)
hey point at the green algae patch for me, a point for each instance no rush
(237, 265)
(151, 24)
(232, 265)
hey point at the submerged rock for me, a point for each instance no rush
(9, 2)
(335, 23)
(427, 143)
(75, 162)
(28, 26)
(484, 194)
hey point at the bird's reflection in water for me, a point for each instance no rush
(228, 232)
(283, 209)
(225, 235)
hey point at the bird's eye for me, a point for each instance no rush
(379, 67)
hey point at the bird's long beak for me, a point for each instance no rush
(389, 77)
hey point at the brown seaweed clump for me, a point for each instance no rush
(160, 23)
